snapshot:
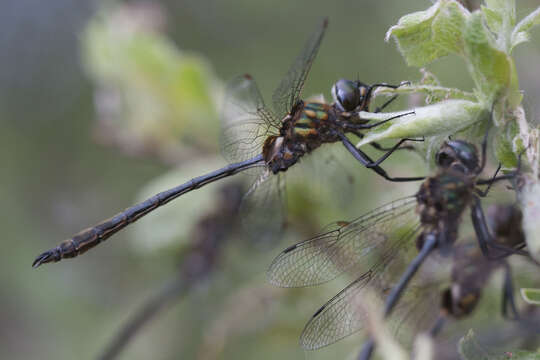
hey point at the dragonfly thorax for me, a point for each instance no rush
(306, 128)
(442, 200)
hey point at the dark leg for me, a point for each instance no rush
(369, 126)
(370, 89)
(397, 291)
(388, 102)
(368, 162)
(484, 148)
(394, 148)
(508, 295)
(484, 237)
(509, 176)
(492, 180)
(379, 147)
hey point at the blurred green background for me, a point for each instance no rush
(104, 103)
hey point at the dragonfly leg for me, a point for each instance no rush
(397, 291)
(374, 86)
(486, 240)
(508, 300)
(490, 182)
(372, 125)
(388, 102)
(365, 160)
(379, 147)
(389, 152)
(509, 176)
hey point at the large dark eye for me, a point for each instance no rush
(458, 154)
(466, 154)
(346, 94)
(443, 159)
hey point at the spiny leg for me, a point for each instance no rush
(489, 184)
(388, 102)
(351, 127)
(508, 176)
(508, 300)
(374, 86)
(389, 152)
(379, 147)
(484, 237)
(365, 160)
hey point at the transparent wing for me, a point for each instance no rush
(263, 208)
(353, 247)
(289, 90)
(245, 120)
(341, 316)
(336, 319)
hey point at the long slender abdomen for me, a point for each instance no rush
(91, 237)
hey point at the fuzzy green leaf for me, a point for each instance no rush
(506, 10)
(492, 69)
(503, 144)
(521, 31)
(432, 91)
(427, 35)
(441, 119)
(531, 296)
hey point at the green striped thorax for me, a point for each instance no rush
(442, 198)
(310, 124)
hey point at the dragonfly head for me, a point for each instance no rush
(349, 95)
(458, 155)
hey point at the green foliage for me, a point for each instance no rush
(470, 349)
(531, 296)
(484, 40)
(163, 94)
(443, 118)
(427, 35)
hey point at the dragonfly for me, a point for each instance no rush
(471, 269)
(254, 136)
(378, 245)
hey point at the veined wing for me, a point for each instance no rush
(263, 209)
(354, 246)
(341, 316)
(245, 120)
(290, 89)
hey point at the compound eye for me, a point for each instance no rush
(346, 94)
(444, 159)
